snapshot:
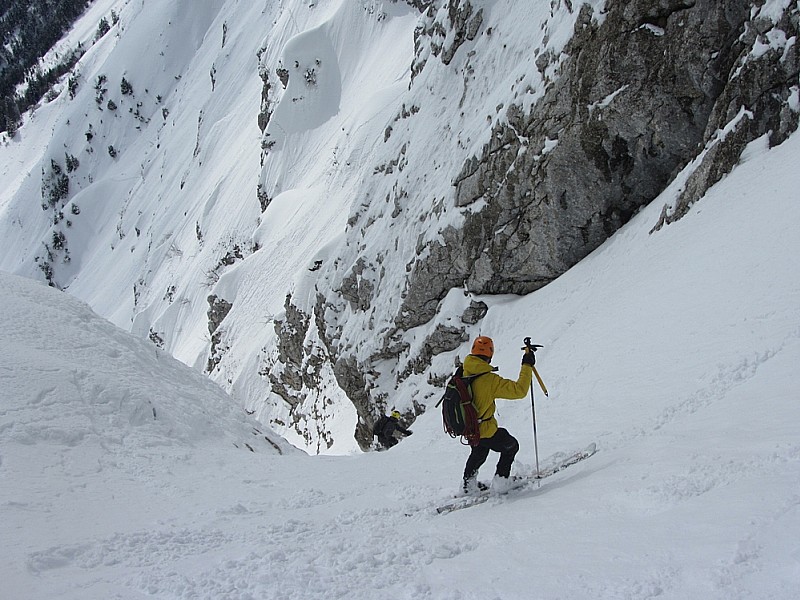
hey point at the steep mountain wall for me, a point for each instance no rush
(315, 202)
(587, 134)
(617, 112)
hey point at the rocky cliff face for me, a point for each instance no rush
(759, 97)
(640, 91)
(629, 104)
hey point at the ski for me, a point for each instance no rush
(558, 465)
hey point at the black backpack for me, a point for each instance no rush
(459, 416)
(379, 426)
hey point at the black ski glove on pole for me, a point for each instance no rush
(529, 358)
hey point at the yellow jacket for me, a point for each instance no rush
(489, 387)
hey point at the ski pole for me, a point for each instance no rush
(535, 439)
(528, 347)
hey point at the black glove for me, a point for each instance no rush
(529, 358)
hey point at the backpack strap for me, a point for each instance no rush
(469, 380)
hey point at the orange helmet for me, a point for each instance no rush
(483, 346)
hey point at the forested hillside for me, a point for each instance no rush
(28, 29)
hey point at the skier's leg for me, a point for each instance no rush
(508, 446)
(476, 458)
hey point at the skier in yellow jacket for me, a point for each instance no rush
(485, 390)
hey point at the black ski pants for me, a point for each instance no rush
(502, 442)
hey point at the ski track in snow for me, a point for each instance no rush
(304, 553)
(726, 378)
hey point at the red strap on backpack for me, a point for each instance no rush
(472, 431)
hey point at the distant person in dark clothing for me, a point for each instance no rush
(389, 431)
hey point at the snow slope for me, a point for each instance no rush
(676, 351)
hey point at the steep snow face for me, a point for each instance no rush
(148, 204)
(314, 89)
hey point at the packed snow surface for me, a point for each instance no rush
(125, 475)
